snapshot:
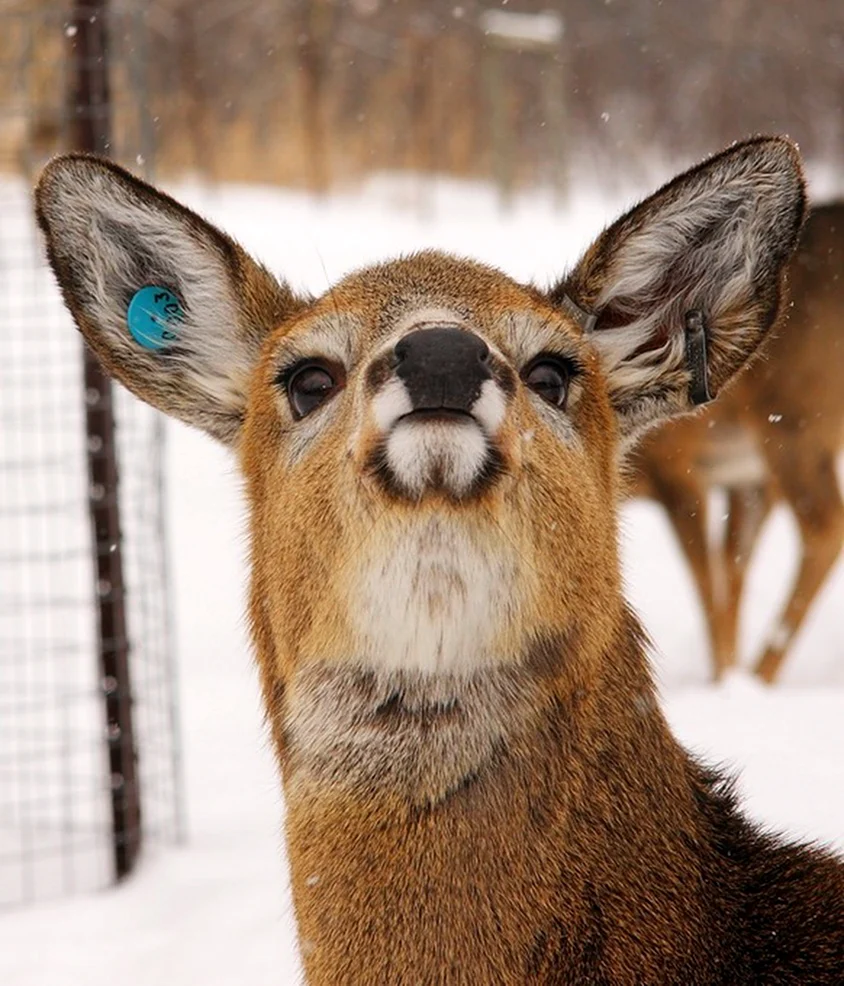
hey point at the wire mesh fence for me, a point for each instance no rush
(58, 737)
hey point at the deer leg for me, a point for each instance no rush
(747, 509)
(686, 507)
(811, 488)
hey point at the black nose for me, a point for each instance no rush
(442, 368)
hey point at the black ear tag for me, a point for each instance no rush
(586, 320)
(696, 357)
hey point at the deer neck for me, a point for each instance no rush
(463, 829)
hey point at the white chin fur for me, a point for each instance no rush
(435, 598)
(450, 452)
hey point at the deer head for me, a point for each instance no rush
(430, 394)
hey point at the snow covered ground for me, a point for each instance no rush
(217, 911)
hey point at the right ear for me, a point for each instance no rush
(677, 295)
(109, 235)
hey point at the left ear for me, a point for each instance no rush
(203, 307)
(678, 293)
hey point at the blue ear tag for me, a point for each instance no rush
(154, 317)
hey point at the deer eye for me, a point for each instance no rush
(309, 385)
(549, 377)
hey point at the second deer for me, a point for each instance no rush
(774, 434)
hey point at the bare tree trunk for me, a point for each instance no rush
(194, 89)
(313, 64)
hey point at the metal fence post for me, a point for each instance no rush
(91, 123)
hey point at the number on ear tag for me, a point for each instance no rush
(154, 317)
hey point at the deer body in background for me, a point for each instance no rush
(480, 785)
(774, 434)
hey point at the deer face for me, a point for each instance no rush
(431, 449)
(432, 446)
(431, 380)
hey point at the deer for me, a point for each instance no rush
(772, 436)
(481, 788)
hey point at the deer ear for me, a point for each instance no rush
(110, 236)
(678, 293)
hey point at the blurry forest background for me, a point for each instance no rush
(318, 92)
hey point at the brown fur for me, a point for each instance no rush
(493, 797)
(787, 411)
